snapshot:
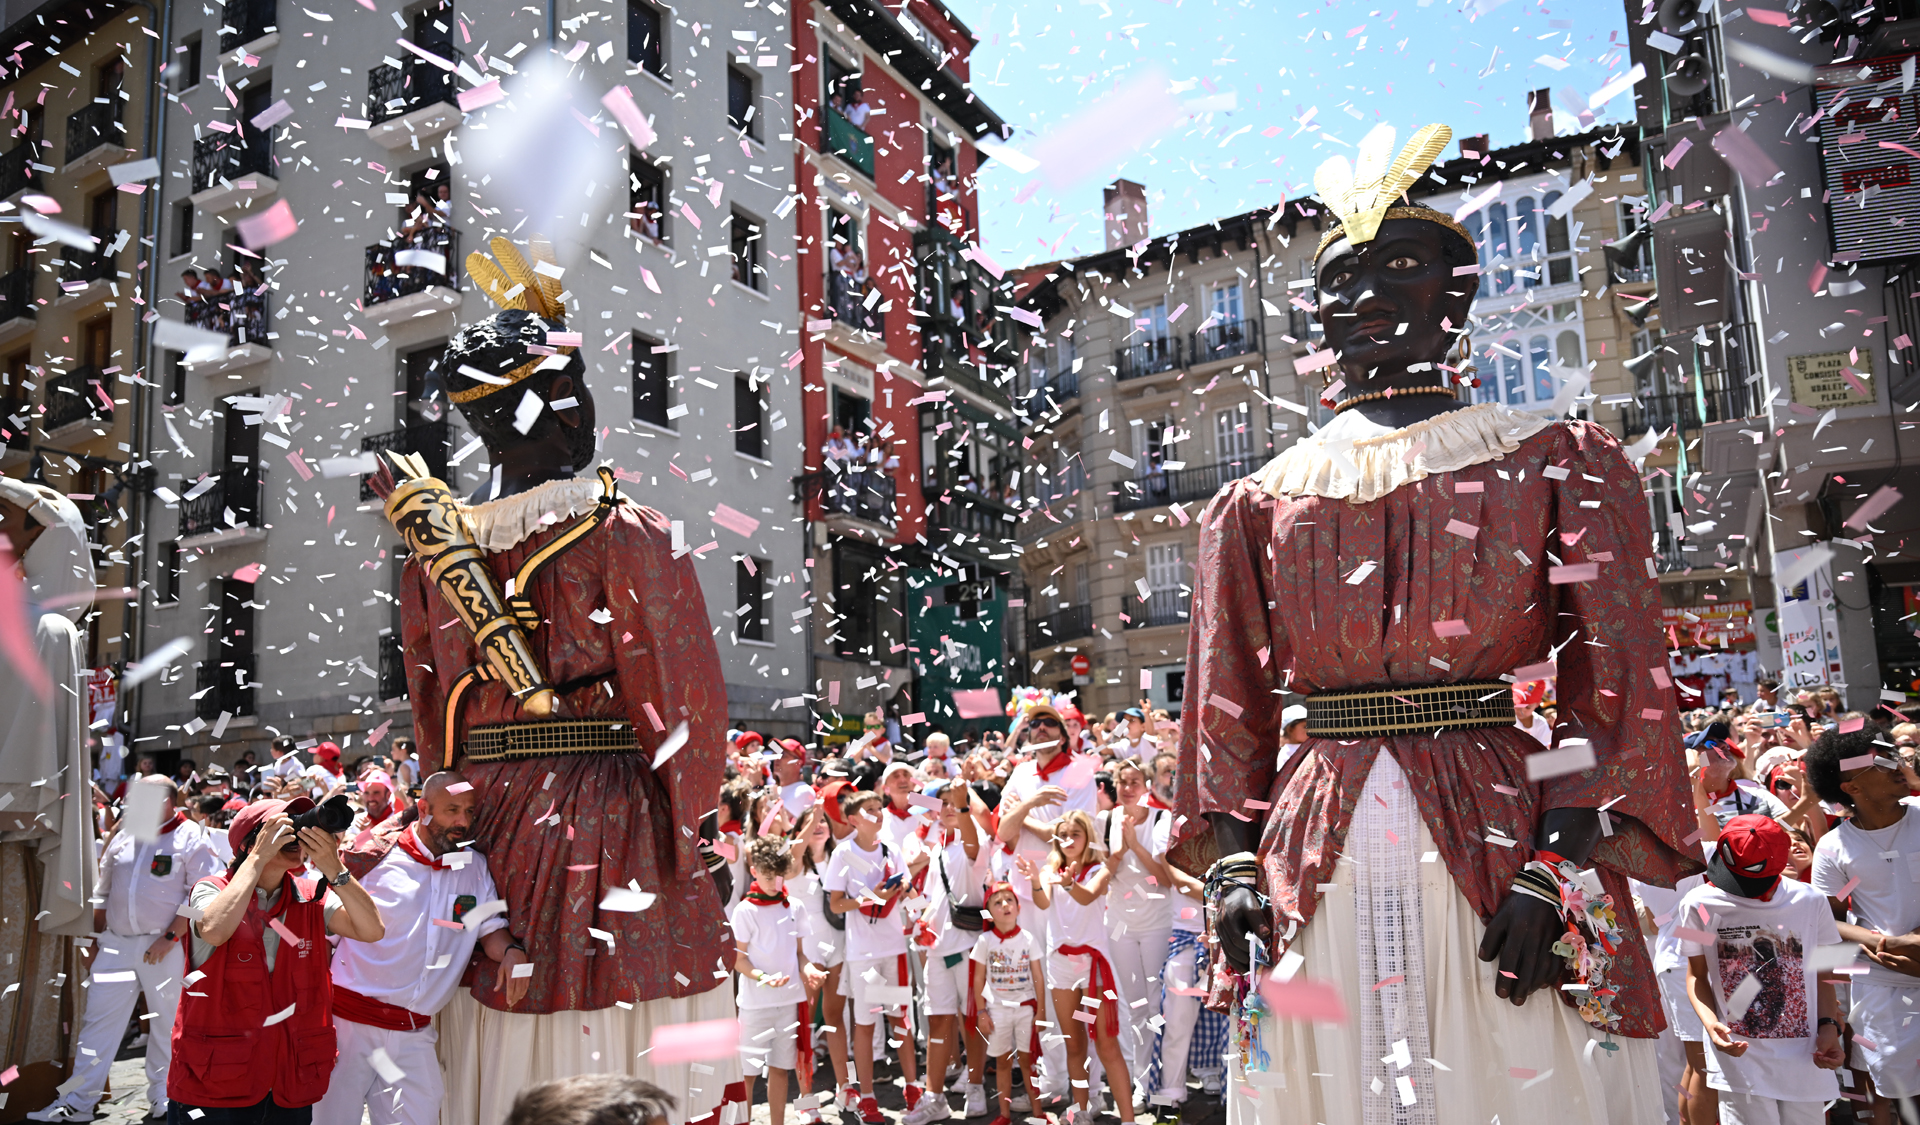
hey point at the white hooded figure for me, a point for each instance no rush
(46, 797)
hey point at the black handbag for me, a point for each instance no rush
(968, 918)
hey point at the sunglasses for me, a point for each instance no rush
(1043, 721)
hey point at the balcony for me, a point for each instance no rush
(854, 304)
(242, 315)
(1668, 556)
(92, 126)
(1048, 395)
(16, 300)
(75, 397)
(225, 687)
(393, 667)
(82, 268)
(862, 494)
(246, 21)
(17, 172)
(1223, 341)
(849, 142)
(1162, 607)
(416, 84)
(1180, 486)
(228, 510)
(397, 272)
(1682, 411)
(223, 158)
(18, 435)
(1060, 626)
(1151, 357)
(987, 524)
(428, 439)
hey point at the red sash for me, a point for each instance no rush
(350, 1005)
(1099, 983)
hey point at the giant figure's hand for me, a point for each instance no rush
(1240, 915)
(1522, 934)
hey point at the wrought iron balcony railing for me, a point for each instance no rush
(16, 294)
(83, 266)
(230, 156)
(862, 493)
(1162, 607)
(1149, 357)
(393, 667)
(432, 258)
(416, 83)
(428, 439)
(244, 21)
(1179, 486)
(847, 303)
(1060, 626)
(1223, 341)
(75, 396)
(235, 499)
(16, 168)
(93, 125)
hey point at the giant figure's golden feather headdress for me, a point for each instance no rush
(511, 283)
(1363, 193)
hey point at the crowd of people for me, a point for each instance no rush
(426, 229)
(234, 305)
(994, 910)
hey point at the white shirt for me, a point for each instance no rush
(772, 938)
(1074, 923)
(1009, 965)
(1887, 898)
(1134, 906)
(901, 834)
(1540, 729)
(418, 964)
(1748, 797)
(1076, 777)
(288, 766)
(1773, 940)
(854, 872)
(966, 878)
(147, 882)
(809, 898)
(1187, 913)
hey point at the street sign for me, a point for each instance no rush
(1082, 664)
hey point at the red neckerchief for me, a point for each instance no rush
(907, 815)
(729, 828)
(762, 897)
(1060, 761)
(179, 818)
(409, 842)
(1154, 802)
(1009, 935)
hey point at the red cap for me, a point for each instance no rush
(794, 747)
(251, 817)
(829, 795)
(327, 752)
(1753, 852)
(749, 738)
(1529, 693)
(234, 805)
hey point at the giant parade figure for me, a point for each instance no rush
(559, 655)
(1461, 888)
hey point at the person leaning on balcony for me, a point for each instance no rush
(191, 294)
(857, 109)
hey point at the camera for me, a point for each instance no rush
(335, 816)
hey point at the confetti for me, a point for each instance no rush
(1451, 628)
(693, 1042)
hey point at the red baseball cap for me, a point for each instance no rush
(1753, 852)
(793, 747)
(327, 752)
(1529, 693)
(251, 817)
(829, 795)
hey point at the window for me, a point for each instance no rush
(102, 214)
(745, 237)
(176, 378)
(1545, 382)
(740, 99)
(1232, 436)
(183, 229)
(645, 48)
(749, 418)
(1226, 303)
(1627, 216)
(1166, 569)
(652, 393)
(867, 595)
(646, 197)
(166, 585)
(750, 580)
(186, 64)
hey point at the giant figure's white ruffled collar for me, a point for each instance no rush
(1359, 460)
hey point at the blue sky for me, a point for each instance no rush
(1341, 67)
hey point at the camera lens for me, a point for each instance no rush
(335, 816)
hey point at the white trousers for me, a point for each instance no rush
(490, 1056)
(1053, 1046)
(1740, 1109)
(121, 974)
(1138, 957)
(357, 1089)
(1180, 1014)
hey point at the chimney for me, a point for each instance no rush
(1473, 148)
(1126, 213)
(1539, 115)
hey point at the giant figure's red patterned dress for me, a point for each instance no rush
(1273, 606)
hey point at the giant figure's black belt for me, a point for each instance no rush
(1377, 711)
(497, 742)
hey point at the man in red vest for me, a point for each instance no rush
(254, 1039)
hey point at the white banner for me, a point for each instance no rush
(1809, 631)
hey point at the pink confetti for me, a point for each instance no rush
(1677, 152)
(482, 95)
(738, 522)
(1660, 677)
(1229, 706)
(299, 464)
(1768, 16)
(619, 102)
(1698, 937)
(1397, 978)
(1545, 670)
(1519, 1071)
(1816, 277)
(1257, 804)
(1886, 497)
(653, 716)
(1315, 361)
(1508, 790)
(1454, 627)
(1744, 155)
(977, 703)
(273, 225)
(1573, 572)
(16, 636)
(1461, 486)
(1305, 1000)
(1846, 892)
(693, 1042)
(1858, 762)
(1652, 713)
(286, 934)
(451, 925)
(8, 1075)
(249, 573)
(1463, 530)
(376, 734)
(1848, 726)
